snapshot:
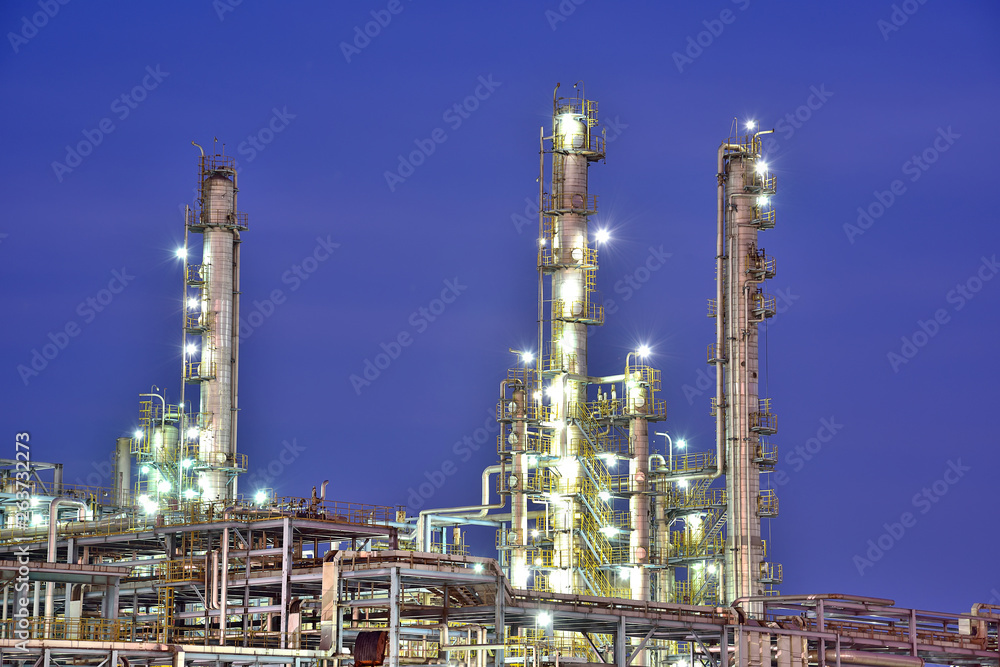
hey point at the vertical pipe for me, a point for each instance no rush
(286, 573)
(519, 497)
(224, 595)
(394, 602)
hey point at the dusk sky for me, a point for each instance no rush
(881, 363)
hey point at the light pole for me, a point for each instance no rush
(670, 448)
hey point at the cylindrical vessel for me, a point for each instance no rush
(744, 548)
(123, 471)
(218, 353)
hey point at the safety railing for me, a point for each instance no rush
(762, 219)
(199, 371)
(586, 143)
(569, 202)
(762, 420)
(586, 311)
(197, 274)
(766, 455)
(771, 573)
(767, 503)
(530, 442)
(764, 306)
(222, 218)
(567, 257)
(78, 629)
(746, 144)
(713, 308)
(198, 512)
(759, 265)
(182, 570)
(685, 546)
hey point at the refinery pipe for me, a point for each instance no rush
(424, 521)
(51, 556)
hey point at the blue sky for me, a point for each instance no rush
(887, 108)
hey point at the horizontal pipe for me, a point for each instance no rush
(866, 659)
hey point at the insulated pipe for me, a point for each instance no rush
(322, 489)
(51, 555)
(425, 524)
(867, 659)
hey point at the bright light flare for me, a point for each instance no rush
(194, 304)
(643, 351)
(163, 486)
(528, 357)
(186, 463)
(604, 495)
(544, 618)
(260, 497)
(682, 443)
(602, 236)
(683, 484)
(182, 253)
(609, 531)
(478, 567)
(138, 434)
(751, 124)
(761, 168)
(191, 349)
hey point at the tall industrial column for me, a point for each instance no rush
(213, 316)
(744, 418)
(568, 257)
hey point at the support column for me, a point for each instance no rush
(394, 600)
(286, 573)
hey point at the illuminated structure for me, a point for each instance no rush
(564, 429)
(743, 418)
(188, 572)
(183, 452)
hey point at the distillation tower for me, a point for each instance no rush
(682, 537)
(743, 417)
(564, 430)
(649, 563)
(188, 451)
